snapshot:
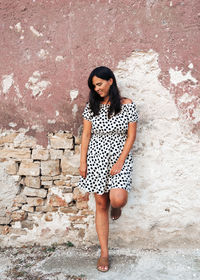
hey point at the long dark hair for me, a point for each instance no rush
(104, 73)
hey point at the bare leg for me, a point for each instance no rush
(102, 224)
(118, 199)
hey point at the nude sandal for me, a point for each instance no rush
(103, 261)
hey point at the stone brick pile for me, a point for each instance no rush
(46, 181)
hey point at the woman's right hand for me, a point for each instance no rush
(83, 169)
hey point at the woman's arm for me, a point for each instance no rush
(86, 135)
(132, 126)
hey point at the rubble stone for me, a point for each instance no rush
(32, 182)
(35, 201)
(35, 192)
(19, 215)
(50, 168)
(70, 165)
(28, 208)
(29, 168)
(46, 208)
(81, 205)
(40, 154)
(56, 154)
(8, 138)
(18, 154)
(48, 217)
(61, 141)
(55, 200)
(12, 168)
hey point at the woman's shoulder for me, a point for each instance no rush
(125, 100)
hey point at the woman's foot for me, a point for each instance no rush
(103, 264)
(115, 213)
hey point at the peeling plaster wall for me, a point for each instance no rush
(48, 49)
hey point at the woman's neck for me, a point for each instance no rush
(105, 100)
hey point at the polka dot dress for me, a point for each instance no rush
(106, 144)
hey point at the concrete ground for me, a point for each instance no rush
(67, 262)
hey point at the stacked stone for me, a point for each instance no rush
(47, 180)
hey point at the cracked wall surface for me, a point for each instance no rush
(48, 49)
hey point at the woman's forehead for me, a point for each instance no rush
(96, 80)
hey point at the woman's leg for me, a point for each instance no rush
(102, 223)
(118, 199)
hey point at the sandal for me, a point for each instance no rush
(103, 261)
(115, 213)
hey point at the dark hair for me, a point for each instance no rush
(104, 73)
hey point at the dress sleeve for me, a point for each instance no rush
(87, 113)
(132, 113)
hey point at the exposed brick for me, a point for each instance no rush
(70, 165)
(29, 168)
(12, 168)
(87, 212)
(8, 138)
(68, 210)
(21, 142)
(46, 208)
(81, 205)
(67, 190)
(46, 178)
(56, 154)
(18, 215)
(27, 224)
(61, 141)
(47, 183)
(40, 154)
(55, 200)
(18, 154)
(80, 195)
(48, 217)
(32, 182)
(21, 198)
(35, 201)
(77, 140)
(75, 218)
(35, 192)
(34, 216)
(28, 208)
(50, 167)
(60, 182)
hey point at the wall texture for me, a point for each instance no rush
(48, 49)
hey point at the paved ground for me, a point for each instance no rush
(67, 262)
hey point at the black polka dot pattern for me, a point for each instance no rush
(106, 144)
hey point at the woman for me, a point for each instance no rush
(109, 130)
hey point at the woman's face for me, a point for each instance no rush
(102, 86)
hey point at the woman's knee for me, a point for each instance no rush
(118, 198)
(102, 202)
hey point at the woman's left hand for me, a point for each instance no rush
(117, 167)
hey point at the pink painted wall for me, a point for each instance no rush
(64, 40)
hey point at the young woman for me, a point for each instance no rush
(109, 130)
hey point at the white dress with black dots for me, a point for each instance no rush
(106, 144)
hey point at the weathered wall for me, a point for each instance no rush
(48, 48)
